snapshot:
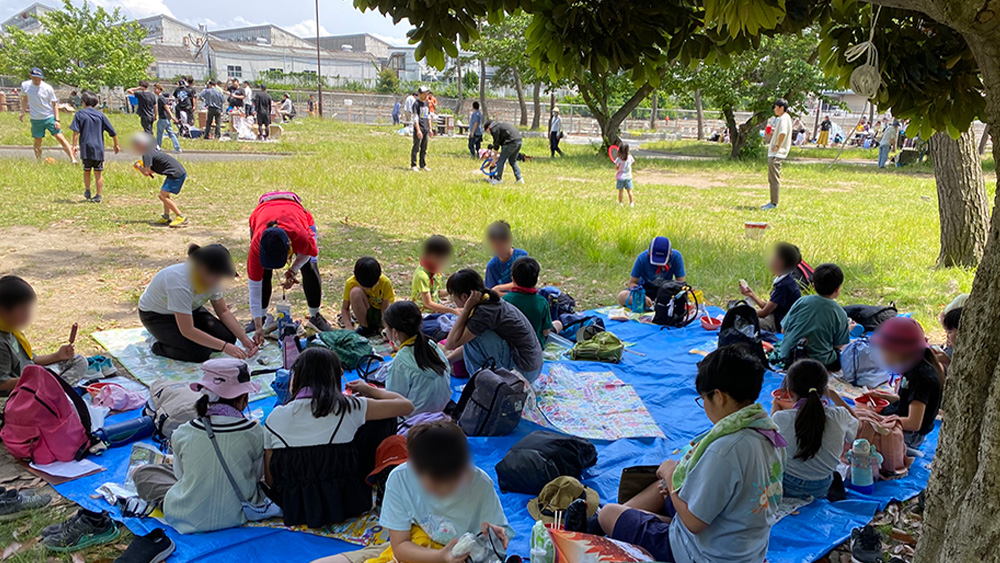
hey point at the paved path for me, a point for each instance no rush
(8, 151)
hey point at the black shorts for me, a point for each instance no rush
(96, 165)
(263, 119)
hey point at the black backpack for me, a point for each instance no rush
(676, 305)
(870, 316)
(491, 402)
(540, 457)
(803, 275)
(741, 326)
(560, 302)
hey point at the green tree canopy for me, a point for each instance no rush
(82, 46)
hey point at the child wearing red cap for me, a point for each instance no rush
(903, 350)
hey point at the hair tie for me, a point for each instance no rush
(813, 390)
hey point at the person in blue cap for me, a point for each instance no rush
(40, 102)
(652, 268)
(283, 233)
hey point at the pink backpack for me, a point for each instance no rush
(886, 433)
(45, 420)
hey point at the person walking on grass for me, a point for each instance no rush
(623, 174)
(145, 105)
(421, 130)
(475, 130)
(777, 149)
(506, 139)
(213, 98)
(39, 101)
(164, 118)
(556, 133)
(263, 101)
(89, 126)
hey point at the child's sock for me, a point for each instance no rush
(313, 311)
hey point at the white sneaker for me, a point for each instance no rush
(520, 181)
(495, 182)
(631, 204)
(425, 169)
(768, 206)
(415, 169)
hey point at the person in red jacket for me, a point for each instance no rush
(282, 230)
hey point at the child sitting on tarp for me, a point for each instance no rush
(501, 241)
(723, 495)
(320, 446)
(653, 267)
(366, 295)
(17, 307)
(816, 429)
(819, 320)
(525, 297)
(903, 349)
(419, 371)
(490, 330)
(784, 292)
(433, 499)
(428, 290)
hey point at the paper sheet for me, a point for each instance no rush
(68, 469)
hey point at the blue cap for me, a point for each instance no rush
(274, 245)
(659, 251)
(37, 73)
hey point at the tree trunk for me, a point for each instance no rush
(536, 119)
(960, 522)
(611, 124)
(461, 97)
(736, 139)
(482, 84)
(701, 115)
(984, 139)
(520, 97)
(961, 199)
(652, 112)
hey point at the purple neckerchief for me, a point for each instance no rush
(306, 393)
(222, 409)
(800, 402)
(774, 436)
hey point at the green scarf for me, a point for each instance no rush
(751, 416)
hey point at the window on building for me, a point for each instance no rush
(308, 72)
(235, 71)
(276, 70)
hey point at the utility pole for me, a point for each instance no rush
(319, 67)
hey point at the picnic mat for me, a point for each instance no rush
(663, 378)
(130, 346)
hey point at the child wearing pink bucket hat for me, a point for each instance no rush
(201, 497)
(902, 349)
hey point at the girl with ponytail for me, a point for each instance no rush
(816, 429)
(419, 370)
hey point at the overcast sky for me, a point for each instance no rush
(297, 16)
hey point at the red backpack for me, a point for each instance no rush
(45, 420)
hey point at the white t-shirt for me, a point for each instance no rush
(40, 99)
(444, 519)
(781, 125)
(841, 428)
(408, 103)
(293, 425)
(624, 168)
(171, 291)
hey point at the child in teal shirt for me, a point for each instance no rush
(525, 297)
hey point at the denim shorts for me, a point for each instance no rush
(624, 184)
(802, 488)
(173, 185)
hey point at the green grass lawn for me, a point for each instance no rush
(90, 262)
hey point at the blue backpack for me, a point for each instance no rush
(859, 365)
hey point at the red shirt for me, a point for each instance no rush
(291, 217)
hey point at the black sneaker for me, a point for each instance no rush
(15, 504)
(154, 547)
(85, 529)
(320, 322)
(866, 545)
(576, 516)
(96, 199)
(367, 332)
(86, 194)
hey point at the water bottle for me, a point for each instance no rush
(126, 432)
(283, 315)
(863, 459)
(542, 550)
(281, 386)
(637, 299)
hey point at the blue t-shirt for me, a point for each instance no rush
(444, 519)
(646, 272)
(498, 271)
(91, 125)
(735, 488)
(784, 293)
(476, 123)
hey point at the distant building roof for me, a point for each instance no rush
(173, 54)
(261, 34)
(270, 50)
(27, 19)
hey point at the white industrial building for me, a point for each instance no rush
(27, 19)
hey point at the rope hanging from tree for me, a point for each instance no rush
(865, 80)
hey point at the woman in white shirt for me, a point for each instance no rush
(816, 431)
(172, 308)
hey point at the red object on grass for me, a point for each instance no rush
(612, 148)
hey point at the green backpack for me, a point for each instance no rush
(601, 347)
(349, 345)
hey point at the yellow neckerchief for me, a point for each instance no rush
(408, 342)
(19, 336)
(486, 297)
(196, 284)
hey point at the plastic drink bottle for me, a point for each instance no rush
(283, 315)
(542, 550)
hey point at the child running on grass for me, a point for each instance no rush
(623, 174)
(89, 126)
(155, 161)
(816, 431)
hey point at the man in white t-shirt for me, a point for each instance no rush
(777, 149)
(38, 98)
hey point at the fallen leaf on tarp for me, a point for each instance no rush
(901, 536)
